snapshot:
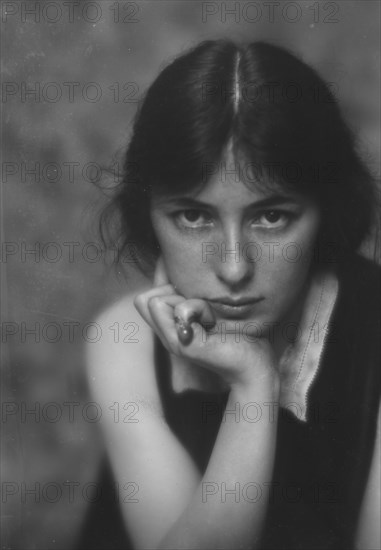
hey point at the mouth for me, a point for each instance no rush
(227, 307)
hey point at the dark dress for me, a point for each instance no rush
(322, 465)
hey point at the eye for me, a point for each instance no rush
(193, 218)
(273, 218)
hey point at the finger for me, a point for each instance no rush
(141, 300)
(160, 276)
(162, 319)
(192, 311)
(195, 310)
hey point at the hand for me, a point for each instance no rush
(238, 363)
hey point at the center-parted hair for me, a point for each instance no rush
(284, 125)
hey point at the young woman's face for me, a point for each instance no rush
(245, 251)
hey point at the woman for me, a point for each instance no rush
(249, 390)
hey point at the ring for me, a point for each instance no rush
(184, 331)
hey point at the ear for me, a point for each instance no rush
(160, 276)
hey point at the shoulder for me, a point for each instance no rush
(121, 314)
(355, 330)
(121, 361)
(359, 280)
(360, 272)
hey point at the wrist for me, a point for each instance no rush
(257, 404)
(261, 387)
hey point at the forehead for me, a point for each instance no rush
(234, 182)
(228, 195)
(227, 187)
(231, 184)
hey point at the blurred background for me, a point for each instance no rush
(71, 75)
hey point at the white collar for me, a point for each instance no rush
(299, 363)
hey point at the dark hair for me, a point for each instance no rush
(284, 123)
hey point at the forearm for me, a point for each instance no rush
(229, 505)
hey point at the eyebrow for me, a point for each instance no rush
(272, 200)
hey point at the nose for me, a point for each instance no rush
(234, 268)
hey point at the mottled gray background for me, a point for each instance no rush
(86, 46)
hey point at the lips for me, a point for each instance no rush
(234, 309)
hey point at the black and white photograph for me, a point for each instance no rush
(190, 275)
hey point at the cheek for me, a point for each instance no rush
(282, 283)
(185, 269)
(299, 246)
(182, 257)
(287, 271)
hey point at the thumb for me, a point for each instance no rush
(160, 276)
